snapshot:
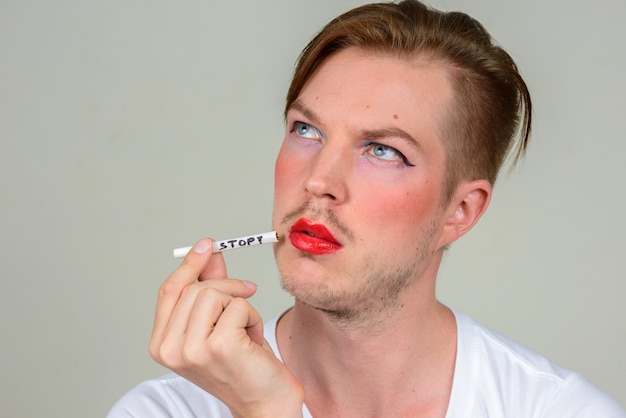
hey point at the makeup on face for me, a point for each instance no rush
(234, 243)
(313, 238)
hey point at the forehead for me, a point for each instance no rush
(371, 88)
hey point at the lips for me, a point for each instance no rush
(312, 238)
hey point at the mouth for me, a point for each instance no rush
(312, 238)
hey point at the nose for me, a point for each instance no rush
(328, 176)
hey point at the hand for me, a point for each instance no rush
(206, 331)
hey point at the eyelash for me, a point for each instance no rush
(297, 124)
(367, 146)
(371, 145)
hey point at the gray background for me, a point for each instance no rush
(129, 128)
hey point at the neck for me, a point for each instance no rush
(402, 359)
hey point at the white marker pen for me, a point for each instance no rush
(231, 244)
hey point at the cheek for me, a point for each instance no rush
(399, 223)
(293, 163)
(283, 172)
(400, 206)
(288, 173)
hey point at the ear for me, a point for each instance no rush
(467, 205)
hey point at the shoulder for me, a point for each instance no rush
(506, 376)
(576, 397)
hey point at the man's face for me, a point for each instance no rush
(358, 181)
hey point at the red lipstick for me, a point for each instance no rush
(312, 238)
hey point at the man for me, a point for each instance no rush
(398, 119)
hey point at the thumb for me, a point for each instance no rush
(216, 266)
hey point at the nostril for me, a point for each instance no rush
(320, 189)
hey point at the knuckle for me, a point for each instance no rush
(218, 346)
(153, 350)
(168, 354)
(238, 304)
(209, 293)
(187, 290)
(195, 355)
(169, 289)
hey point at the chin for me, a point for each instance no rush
(304, 279)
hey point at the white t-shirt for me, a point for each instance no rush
(494, 377)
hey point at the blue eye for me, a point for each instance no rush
(386, 153)
(305, 130)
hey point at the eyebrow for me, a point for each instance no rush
(369, 134)
(377, 134)
(302, 108)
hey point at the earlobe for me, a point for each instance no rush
(467, 205)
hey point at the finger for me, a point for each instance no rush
(215, 269)
(181, 313)
(206, 312)
(171, 289)
(239, 315)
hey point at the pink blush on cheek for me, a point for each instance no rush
(293, 164)
(284, 172)
(402, 208)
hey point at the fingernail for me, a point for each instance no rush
(202, 247)
(249, 284)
